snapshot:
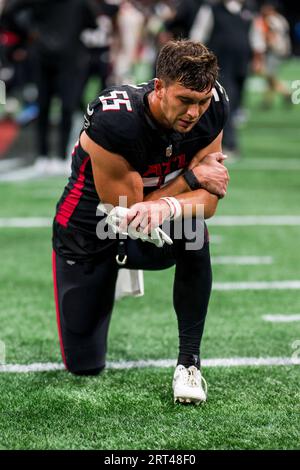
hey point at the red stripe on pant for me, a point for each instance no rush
(57, 308)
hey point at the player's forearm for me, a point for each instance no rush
(179, 188)
(189, 198)
(199, 197)
(174, 188)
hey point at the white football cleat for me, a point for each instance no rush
(187, 385)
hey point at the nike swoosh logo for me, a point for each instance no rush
(89, 111)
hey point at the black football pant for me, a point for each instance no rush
(55, 77)
(84, 294)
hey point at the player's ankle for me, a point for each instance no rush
(188, 360)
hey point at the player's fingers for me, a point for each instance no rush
(126, 220)
(146, 230)
(144, 222)
(220, 157)
(164, 236)
(152, 223)
(132, 213)
(136, 221)
(222, 193)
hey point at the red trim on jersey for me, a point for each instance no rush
(72, 199)
(57, 308)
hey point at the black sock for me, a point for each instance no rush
(188, 360)
(192, 288)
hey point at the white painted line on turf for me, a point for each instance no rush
(218, 362)
(161, 363)
(245, 220)
(120, 365)
(265, 167)
(27, 173)
(251, 361)
(242, 260)
(34, 367)
(278, 318)
(25, 222)
(260, 285)
(275, 164)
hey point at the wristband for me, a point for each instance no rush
(175, 207)
(191, 180)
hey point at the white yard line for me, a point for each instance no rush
(247, 220)
(242, 260)
(25, 222)
(162, 363)
(259, 285)
(276, 164)
(27, 173)
(279, 318)
(217, 362)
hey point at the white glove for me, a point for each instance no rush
(157, 236)
(115, 217)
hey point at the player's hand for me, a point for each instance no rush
(119, 221)
(212, 174)
(144, 217)
(116, 216)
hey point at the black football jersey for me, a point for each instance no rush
(119, 121)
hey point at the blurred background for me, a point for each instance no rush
(56, 55)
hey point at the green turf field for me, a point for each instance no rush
(248, 407)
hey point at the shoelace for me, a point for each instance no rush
(192, 379)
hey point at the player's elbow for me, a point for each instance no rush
(209, 212)
(210, 207)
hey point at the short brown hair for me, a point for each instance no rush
(189, 63)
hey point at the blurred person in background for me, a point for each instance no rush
(159, 145)
(164, 21)
(54, 32)
(131, 21)
(17, 68)
(225, 28)
(139, 23)
(180, 22)
(101, 44)
(272, 44)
